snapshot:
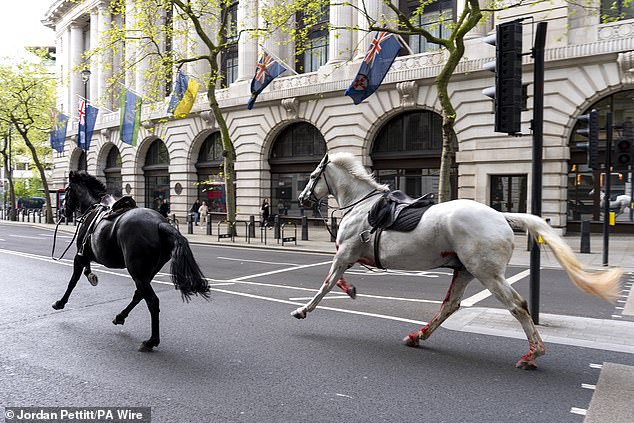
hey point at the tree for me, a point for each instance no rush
(6, 163)
(158, 50)
(28, 96)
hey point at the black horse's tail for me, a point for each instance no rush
(186, 275)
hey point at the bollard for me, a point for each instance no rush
(190, 223)
(208, 223)
(333, 228)
(304, 228)
(276, 227)
(585, 237)
(252, 226)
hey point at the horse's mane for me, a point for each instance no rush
(356, 169)
(92, 184)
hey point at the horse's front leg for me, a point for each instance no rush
(336, 271)
(78, 266)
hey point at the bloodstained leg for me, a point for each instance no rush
(348, 288)
(450, 304)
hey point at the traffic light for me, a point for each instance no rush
(507, 66)
(624, 148)
(592, 133)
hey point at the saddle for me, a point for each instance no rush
(107, 209)
(119, 207)
(398, 212)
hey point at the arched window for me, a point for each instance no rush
(113, 172)
(312, 44)
(295, 153)
(82, 163)
(406, 153)
(209, 168)
(584, 184)
(157, 180)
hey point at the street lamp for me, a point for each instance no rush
(85, 76)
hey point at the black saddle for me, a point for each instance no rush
(398, 212)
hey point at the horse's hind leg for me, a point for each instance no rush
(78, 266)
(136, 299)
(518, 307)
(152, 302)
(450, 304)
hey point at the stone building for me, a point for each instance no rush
(396, 132)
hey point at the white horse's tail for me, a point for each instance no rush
(603, 284)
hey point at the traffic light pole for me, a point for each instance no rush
(608, 188)
(538, 145)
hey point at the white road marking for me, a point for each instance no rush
(255, 261)
(2, 239)
(588, 386)
(26, 236)
(596, 366)
(379, 297)
(327, 297)
(468, 302)
(274, 272)
(579, 411)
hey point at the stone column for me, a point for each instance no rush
(247, 44)
(367, 8)
(105, 64)
(93, 65)
(76, 50)
(130, 45)
(340, 38)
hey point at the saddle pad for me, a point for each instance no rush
(397, 212)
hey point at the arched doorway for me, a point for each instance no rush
(406, 153)
(112, 172)
(156, 172)
(82, 163)
(209, 170)
(585, 184)
(295, 153)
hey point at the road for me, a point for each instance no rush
(242, 357)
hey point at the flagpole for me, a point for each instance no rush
(404, 44)
(279, 60)
(132, 91)
(90, 102)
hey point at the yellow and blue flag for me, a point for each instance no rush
(268, 69)
(383, 49)
(130, 116)
(183, 96)
(58, 134)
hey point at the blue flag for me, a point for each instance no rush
(130, 117)
(58, 134)
(381, 54)
(183, 96)
(268, 69)
(87, 119)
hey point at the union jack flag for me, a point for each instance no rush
(87, 118)
(82, 111)
(381, 53)
(267, 70)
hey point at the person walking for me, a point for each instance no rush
(265, 213)
(194, 211)
(202, 211)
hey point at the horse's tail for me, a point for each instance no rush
(186, 275)
(603, 284)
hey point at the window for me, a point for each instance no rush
(312, 44)
(157, 155)
(508, 193)
(210, 167)
(616, 10)
(298, 142)
(230, 65)
(411, 132)
(437, 18)
(229, 57)
(113, 172)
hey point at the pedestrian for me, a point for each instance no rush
(280, 207)
(202, 211)
(194, 211)
(265, 213)
(164, 208)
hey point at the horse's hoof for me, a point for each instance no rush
(526, 365)
(92, 278)
(299, 314)
(410, 341)
(145, 347)
(352, 291)
(58, 305)
(118, 320)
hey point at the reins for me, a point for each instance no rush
(80, 221)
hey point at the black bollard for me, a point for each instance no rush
(251, 226)
(304, 228)
(190, 223)
(276, 227)
(333, 229)
(208, 223)
(585, 237)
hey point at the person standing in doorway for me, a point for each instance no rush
(202, 211)
(194, 211)
(265, 212)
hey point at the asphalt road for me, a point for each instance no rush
(242, 357)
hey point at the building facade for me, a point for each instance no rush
(396, 132)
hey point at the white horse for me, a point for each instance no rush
(469, 237)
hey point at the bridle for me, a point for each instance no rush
(312, 198)
(80, 220)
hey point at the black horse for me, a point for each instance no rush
(138, 239)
